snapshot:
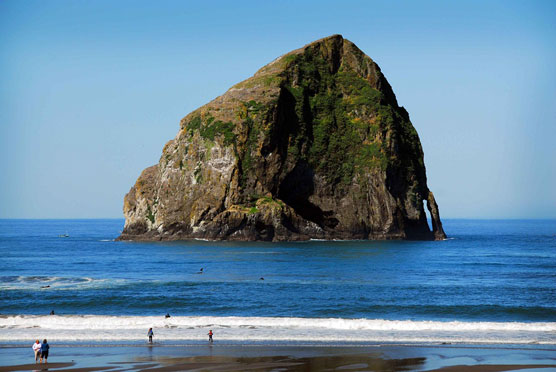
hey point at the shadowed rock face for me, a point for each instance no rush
(314, 145)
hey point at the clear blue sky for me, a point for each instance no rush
(90, 91)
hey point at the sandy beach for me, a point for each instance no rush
(445, 358)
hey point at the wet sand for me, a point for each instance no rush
(385, 358)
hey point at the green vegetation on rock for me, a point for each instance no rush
(338, 146)
(247, 159)
(194, 124)
(150, 215)
(211, 129)
(269, 200)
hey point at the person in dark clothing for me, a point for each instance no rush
(150, 334)
(44, 351)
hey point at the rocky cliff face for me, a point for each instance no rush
(314, 145)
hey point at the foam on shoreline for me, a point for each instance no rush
(180, 329)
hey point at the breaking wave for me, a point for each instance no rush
(38, 282)
(93, 328)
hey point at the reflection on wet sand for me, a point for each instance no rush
(355, 362)
(379, 358)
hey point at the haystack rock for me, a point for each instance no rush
(313, 146)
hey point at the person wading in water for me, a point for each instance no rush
(150, 334)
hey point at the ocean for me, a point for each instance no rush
(492, 281)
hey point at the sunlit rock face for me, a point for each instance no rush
(313, 146)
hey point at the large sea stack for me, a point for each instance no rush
(313, 146)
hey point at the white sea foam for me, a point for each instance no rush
(88, 328)
(54, 283)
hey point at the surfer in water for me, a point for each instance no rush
(150, 334)
(210, 336)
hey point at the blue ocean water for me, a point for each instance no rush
(487, 271)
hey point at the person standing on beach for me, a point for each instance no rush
(150, 334)
(44, 351)
(210, 336)
(37, 350)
